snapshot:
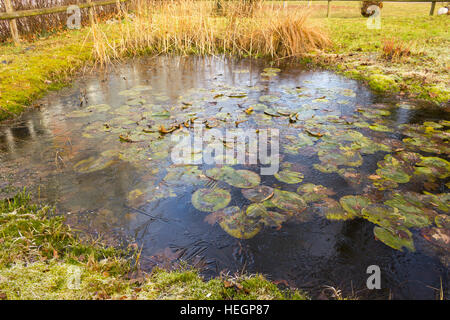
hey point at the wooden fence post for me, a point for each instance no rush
(328, 8)
(433, 5)
(91, 13)
(118, 6)
(12, 22)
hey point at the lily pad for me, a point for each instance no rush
(393, 169)
(243, 179)
(288, 176)
(235, 178)
(256, 210)
(437, 167)
(268, 98)
(288, 201)
(333, 210)
(268, 218)
(354, 204)
(99, 108)
(383, 215)
(210, 200)
(93, 164)
(258, 194)
(413, 210)
(237, 224)
(379, 127)
(396, 239)
(313, 193)
(272, 70)
(442, 221)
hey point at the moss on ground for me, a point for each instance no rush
(43, 258)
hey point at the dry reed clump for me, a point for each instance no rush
(395, 50)
(195, 27)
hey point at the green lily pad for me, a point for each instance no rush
(135, 102)
(259, 107)
(93, 164)
(413, 210)
(274, 219)
(313, 193)
(268, 98)
(437, 167)
(354, 204)
(439, 201)
(442, 221)
(258, 194)
(235, 178)
(243, 179)
(396, 239)
(288, 201)
(393, 169)
(237, 224)
(333, 210)
(210, 200)
(340, 157)
(325, 168)
(99, 108)
(182, 175)
(275, 70)
(380, 127)
(426, 144)
(288, 176)
(348, 93)
(383, 215)
(268, 218)
(256, 210)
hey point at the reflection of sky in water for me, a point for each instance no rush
(41, 150)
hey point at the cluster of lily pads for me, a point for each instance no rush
(321, 127)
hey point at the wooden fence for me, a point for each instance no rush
(12, 15)
(433, 4)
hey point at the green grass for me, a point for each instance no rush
(425, 74)
(40, 257)
(48, 64)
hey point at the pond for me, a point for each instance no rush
(359, 180)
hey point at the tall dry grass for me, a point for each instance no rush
(198, 27)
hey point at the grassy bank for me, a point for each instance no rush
(363, 53)
(42, 258)
(30, 70)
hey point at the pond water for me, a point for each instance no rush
(362, 179)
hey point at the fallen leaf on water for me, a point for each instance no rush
(314, 134)
(248, 110)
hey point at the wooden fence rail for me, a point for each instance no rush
(12, 15)
(433, 4)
